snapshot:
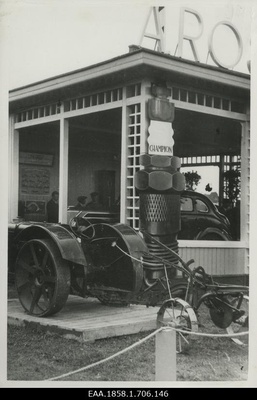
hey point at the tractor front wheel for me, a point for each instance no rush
(178, 314)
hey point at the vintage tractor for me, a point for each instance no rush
(110, 261)
(115, 263)
(120, 266)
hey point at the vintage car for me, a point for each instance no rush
(201, 220)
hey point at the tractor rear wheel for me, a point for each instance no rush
(42, 278)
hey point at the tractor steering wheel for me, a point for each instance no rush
(80, 226)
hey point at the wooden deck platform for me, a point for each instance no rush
(87, 319)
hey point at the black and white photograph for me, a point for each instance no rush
(128, 141)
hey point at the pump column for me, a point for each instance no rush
(159, 183)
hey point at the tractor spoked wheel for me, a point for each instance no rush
(42, 278)
(177, 313)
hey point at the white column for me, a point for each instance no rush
(123, 174)
(13, 171)
(63, 170)
(146, 95)
(245, 181)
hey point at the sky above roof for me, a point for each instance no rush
(45, 38)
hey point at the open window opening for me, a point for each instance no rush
(210, 151)
(94, 165)
(38, 170)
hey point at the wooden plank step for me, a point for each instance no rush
(88, 319)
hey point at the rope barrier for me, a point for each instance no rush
(108, 358)
(231, 335)
(142, 341)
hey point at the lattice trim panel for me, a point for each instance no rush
(208, 100)
(105, 97)
(133, 165)
(38, 112)
(211, 160)
(92, 100)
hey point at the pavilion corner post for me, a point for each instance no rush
(159, 183)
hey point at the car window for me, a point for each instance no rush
(186, 204)
(201, 206)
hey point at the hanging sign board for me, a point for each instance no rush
(36, 158)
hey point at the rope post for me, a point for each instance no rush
(165, 355)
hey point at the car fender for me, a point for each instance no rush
(67, 243)
(223, 235)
